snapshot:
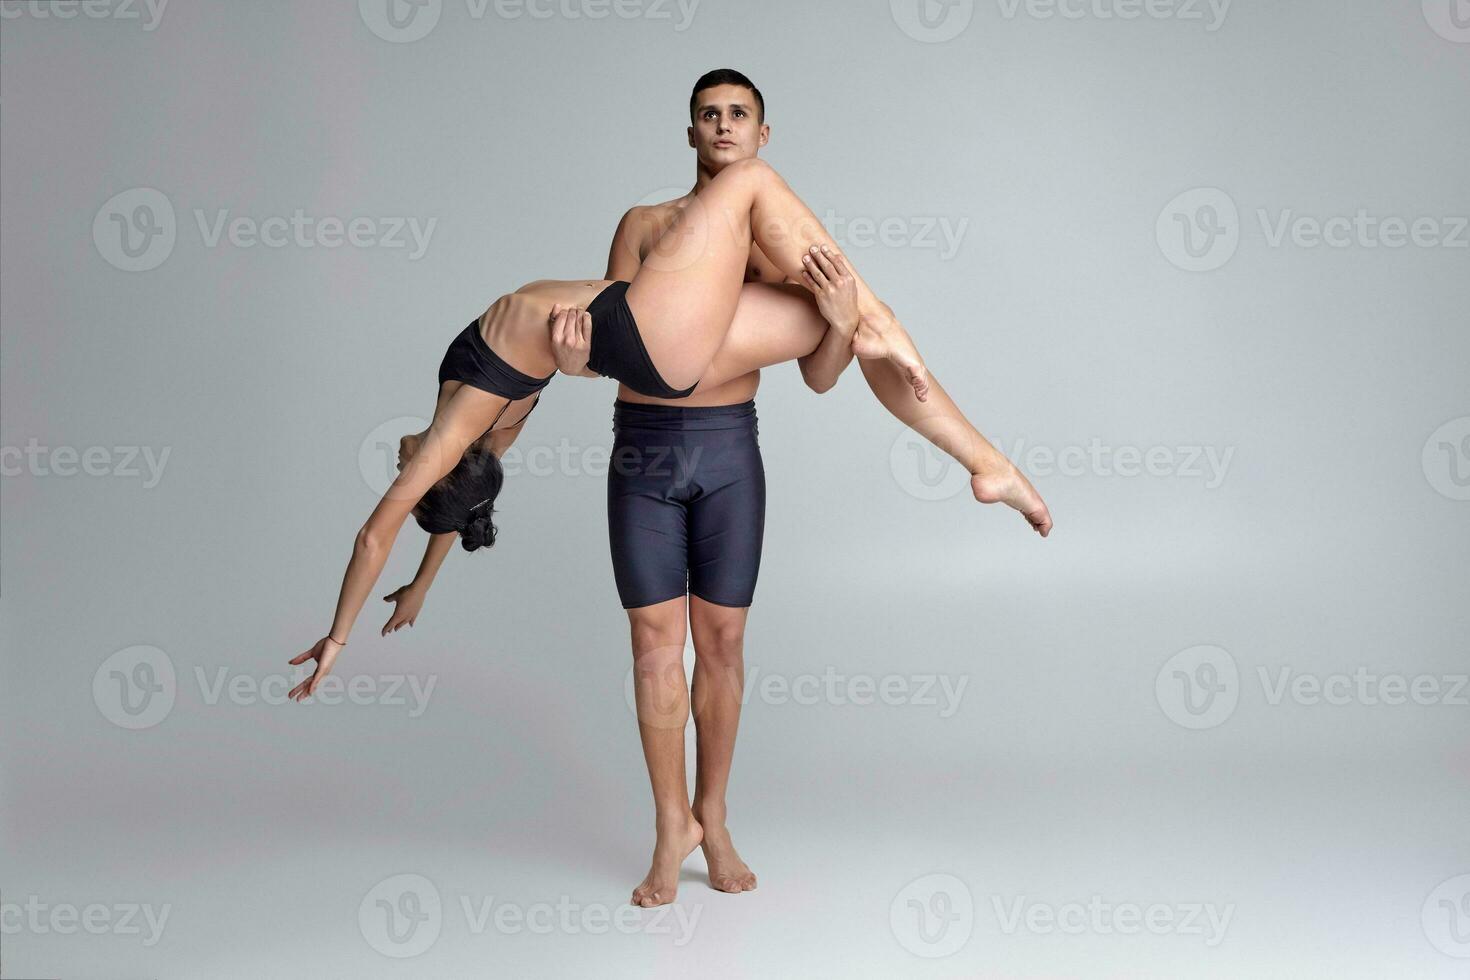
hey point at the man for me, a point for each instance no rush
(686, 491)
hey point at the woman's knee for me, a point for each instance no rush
(750, 170)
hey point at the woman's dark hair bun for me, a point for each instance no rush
(464, 500)
(479, 532)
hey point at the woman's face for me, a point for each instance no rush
(407, 447)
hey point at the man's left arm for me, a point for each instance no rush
(835, 289)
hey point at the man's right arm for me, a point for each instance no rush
(626, 253)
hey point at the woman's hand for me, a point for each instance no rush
(408, 599)
(571, 340)
(325, 654)
(827, 276)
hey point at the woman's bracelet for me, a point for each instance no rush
(335, 640)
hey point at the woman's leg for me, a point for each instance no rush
(773, 324)
(685, 294)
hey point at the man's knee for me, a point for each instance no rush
(719, 637)
(658, 632)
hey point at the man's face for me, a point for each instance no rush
(726, 126)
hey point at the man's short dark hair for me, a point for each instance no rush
(726, 76)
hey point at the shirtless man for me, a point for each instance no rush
(706, 519)
(686, 539)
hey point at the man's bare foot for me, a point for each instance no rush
(1008, 485)
(880, 336)
(675, 843)
(727, 872)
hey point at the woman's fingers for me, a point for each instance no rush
(302, 658)
(839, 263)
(809, 282)
(585, 328)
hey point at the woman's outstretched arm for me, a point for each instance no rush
(467, 414)
(408, 600)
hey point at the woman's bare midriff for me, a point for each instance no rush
(517, 326)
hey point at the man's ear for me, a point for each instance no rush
(765, 133)
(690, 132)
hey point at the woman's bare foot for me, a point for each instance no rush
(727, 872)
(881, 335)
(675, 843)
(1007, 485)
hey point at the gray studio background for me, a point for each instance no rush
(1096, 220)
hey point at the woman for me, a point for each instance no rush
(662, 334)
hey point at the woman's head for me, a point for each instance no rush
(464, 499)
